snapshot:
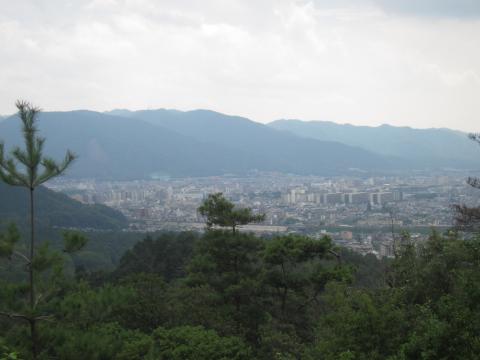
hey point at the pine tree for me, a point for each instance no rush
(37, 169)
(221, 212)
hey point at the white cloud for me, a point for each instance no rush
(363, 62)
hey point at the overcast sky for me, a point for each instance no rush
(402, 62)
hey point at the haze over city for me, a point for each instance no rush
(405, 63)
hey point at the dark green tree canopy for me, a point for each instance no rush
(218, 211)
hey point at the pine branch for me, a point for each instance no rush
(337, 255)
(15, 316)
(19, 254)
(52, 169)
(9, 175)
(21, 156)
(27, 318)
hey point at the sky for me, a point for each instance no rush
(365, 62)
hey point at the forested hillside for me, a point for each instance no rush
(57, 210)
(224, 296)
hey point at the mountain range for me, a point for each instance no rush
(422, 148)
(124, 144)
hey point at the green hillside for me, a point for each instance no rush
(57, 210)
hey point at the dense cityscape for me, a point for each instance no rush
(362, 213)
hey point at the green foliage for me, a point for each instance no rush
(368, 271)
(430, 311)
(218, 211)
(38, 169)
(74, 241)
(101, 341)
(45, 258)
(445, 289)
(199, 305)
(54, 209)
(147, 310)
(230, 265)
(296, 271)
(8, 240)
(6, 353)
(279, 341)
(267, 288)
(361, 324)
(84, 307)
(295, 248)
(196, 343)
(221, 257)
(167, 255)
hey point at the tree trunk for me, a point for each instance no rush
(33, 335)
(33, 330)
(284, 299)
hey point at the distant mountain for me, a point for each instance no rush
(431, 148)
(125, 144)
(56, 209)
(266, 148)
(144, 144)
(111, 147)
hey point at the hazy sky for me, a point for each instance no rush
(402, 62)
